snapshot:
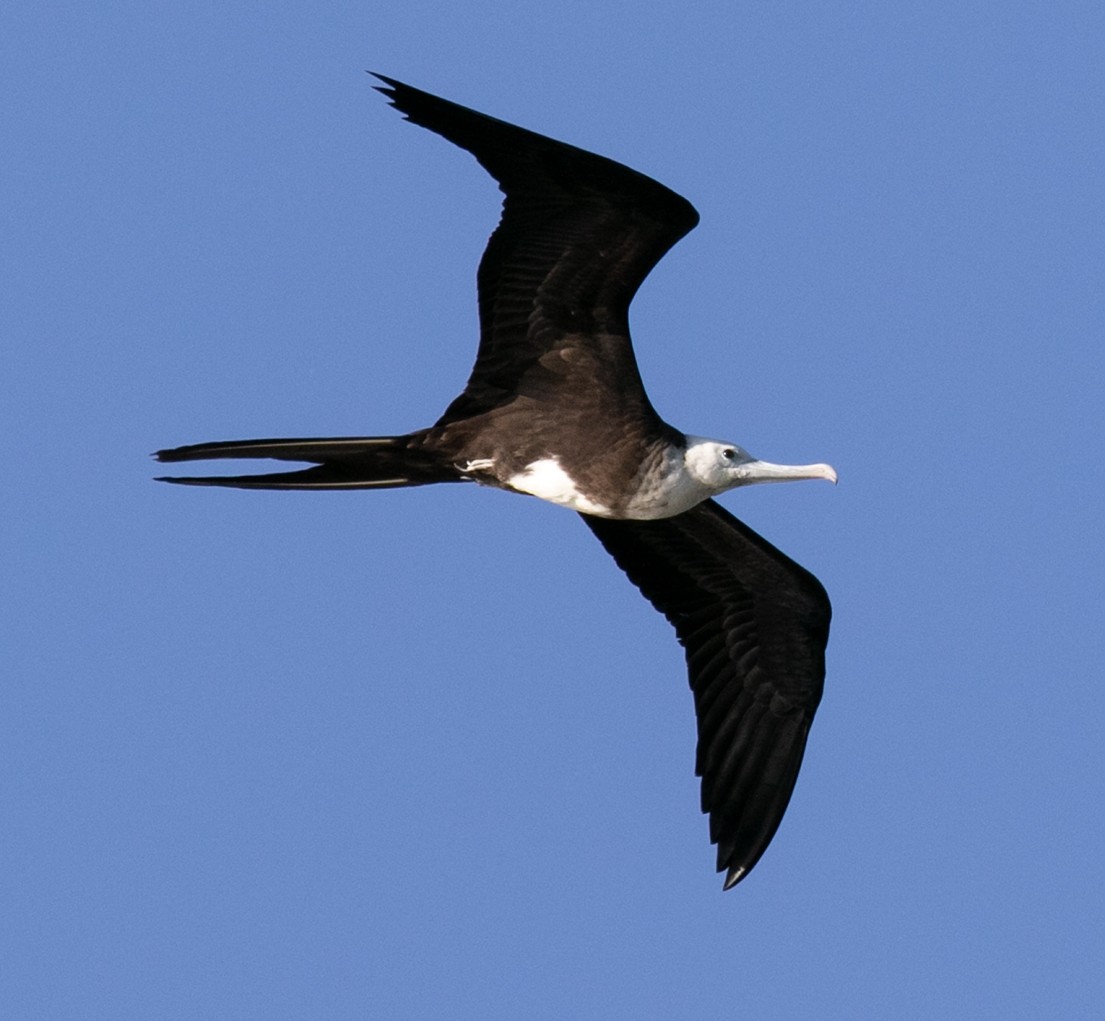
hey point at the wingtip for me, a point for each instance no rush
(734, 876)
(390, 88)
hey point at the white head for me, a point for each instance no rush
(720, 466)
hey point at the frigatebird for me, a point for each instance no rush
(555, 408)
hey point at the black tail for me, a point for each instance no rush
(355, 462)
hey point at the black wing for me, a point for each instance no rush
(754, 625)
(578, 235)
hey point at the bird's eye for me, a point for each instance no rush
(728, 453)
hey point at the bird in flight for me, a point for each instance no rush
(555, 408)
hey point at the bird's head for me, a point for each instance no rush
(720, 466)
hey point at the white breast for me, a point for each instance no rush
(670, 491)
(546, 480)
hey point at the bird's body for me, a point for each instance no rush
(555, 408)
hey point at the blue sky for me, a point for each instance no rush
(427, 754)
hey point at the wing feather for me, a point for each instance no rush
(578, 234)
(754, 626)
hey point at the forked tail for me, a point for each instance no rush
(355, 462)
